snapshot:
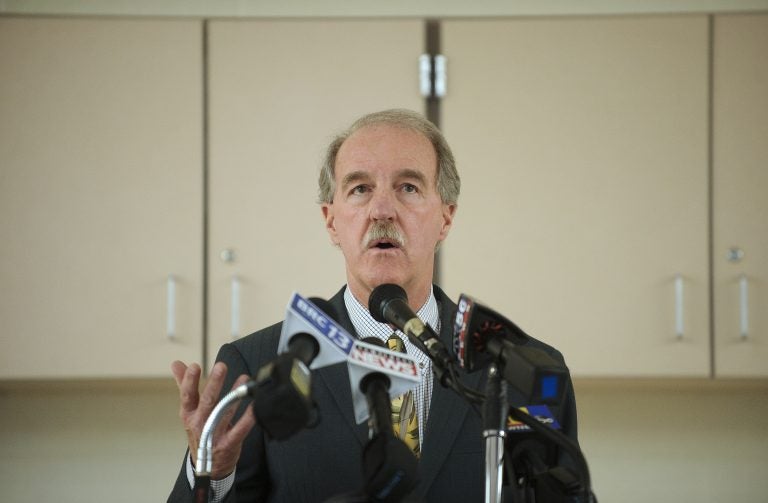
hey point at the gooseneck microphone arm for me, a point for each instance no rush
(204, 464)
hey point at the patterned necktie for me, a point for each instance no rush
(405, 420)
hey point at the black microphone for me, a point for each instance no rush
(388, 303)
(481, 335)
(390, 468)
(281, 392)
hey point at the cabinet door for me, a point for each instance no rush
(100, 196)
(582, 145)
(279, 90)
(740, 189)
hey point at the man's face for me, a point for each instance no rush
(386, 182)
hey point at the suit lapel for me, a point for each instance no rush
(336, 379)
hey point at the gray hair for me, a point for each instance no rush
(448, 182)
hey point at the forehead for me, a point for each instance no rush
(386, 147)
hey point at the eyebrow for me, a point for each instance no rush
(354, 177)
(359, 175)
(412, 174)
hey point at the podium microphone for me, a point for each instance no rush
(309, 339)
(390, 468)
(377, 374)
(482, 336)
(388, 303)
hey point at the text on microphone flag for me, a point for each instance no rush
(384, 360)
(540, 412)
(322, 323)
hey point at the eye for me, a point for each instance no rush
(359, 189)
(410, 188)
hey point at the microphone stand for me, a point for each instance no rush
(205, 446)
(494, 433)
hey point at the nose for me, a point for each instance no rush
(383, 205)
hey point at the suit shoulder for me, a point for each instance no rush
(254, 349)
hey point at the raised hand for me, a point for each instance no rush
(195, 407)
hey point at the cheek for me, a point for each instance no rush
(425, 234)
(349, 231)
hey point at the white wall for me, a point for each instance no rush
(98, 442)
(675, 441)
(645, 441)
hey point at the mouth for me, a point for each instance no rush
(384, 244)
(383, 237)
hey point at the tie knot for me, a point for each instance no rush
(395, 343)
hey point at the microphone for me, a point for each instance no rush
(388, 303)
(481, 335)
(367, 358)
(534, 457)
(281, 389)
(390, 468)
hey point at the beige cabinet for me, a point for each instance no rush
(582, 145)
(596, 205)
(740, 195)
(279, 90)
(100, 196)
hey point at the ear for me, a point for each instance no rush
(449, 211)
(330, 222)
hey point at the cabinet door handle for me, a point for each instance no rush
(425, 79)
(441, 76)
(170, 306)
(679, 307)
(234, 313)
(743, 306)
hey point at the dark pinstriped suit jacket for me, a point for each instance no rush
(325, 461)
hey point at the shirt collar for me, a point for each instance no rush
(366, 326)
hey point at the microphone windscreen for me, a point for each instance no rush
(383, 295)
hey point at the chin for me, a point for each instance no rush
(382, 279)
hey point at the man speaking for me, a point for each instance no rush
(388, 191)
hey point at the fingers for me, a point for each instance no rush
(188, 382)
(242, 427)
(178, 368)
(196, 407)
(210, 395)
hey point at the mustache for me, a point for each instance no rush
(383, 230)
